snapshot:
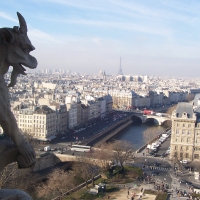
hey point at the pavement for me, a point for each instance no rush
(129, 190)
(175, 180)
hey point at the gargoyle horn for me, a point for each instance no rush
(22, 23)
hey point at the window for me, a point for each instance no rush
(189, 125)
(187, 148)
(183, 125)
(181, 147)
(183, 132)
(186, 155)
(189, 132)
(177, 131)
(196, 156)
(181, 155)
(177, 124)
(175, 147)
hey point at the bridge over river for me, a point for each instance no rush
(145, 118)
(111, 131)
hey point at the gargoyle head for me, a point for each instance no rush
(15, 47)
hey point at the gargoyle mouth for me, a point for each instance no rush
(21, 69)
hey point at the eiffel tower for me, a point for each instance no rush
(120, 69)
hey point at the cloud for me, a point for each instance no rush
(42, 37)
(8, 17)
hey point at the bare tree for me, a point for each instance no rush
(29, 137)
(58, 182)
(190, 97)
(121, 151)
(196, 166)
(171, 109)
(12, 177)
(104, 155)
(87, 169)
(150, 133)
(7, 174)
(177, 164)
(167, 124)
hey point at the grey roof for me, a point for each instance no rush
(184, 108)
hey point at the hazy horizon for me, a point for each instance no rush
(159, 38)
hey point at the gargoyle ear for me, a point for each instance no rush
(7, 36)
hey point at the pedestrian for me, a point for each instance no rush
(128, 192)
(141, 189)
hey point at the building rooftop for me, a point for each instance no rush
(184, 108)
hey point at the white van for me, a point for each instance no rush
(184, 161)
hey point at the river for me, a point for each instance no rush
(135, 135)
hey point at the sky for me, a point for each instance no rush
(152, 37)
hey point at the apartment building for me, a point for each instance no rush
(141, 101)
(73, 104)
(122, 98)
(40, 122)
(185, 136)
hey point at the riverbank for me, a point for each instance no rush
(108, 133)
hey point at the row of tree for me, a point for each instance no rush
(60, 180)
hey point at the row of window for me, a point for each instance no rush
(182, 155)
(183, 125)
(181, 148)
(187, 140)
(186, 132)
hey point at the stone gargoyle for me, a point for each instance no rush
(15, 47)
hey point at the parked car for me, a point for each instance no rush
(157, 164)
(154, 173)
(156, 155)
(152, 152)
(182, 181)
(163, 155)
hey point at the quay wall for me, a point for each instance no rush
(45, 162)
(109, 132)
(112, 133)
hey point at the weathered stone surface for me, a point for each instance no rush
(14, 51)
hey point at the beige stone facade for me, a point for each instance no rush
(185, 135)
(40, 123)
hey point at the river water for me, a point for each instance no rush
(135, 135)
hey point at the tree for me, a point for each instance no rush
(29, 138)
(167, 124)
(12, 177)
(190, 97)
(177, 163)
(120, 151)
(86, 169)
(171, 109)
(150, 133)
(58, 182)
(104, 155)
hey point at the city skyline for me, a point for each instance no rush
(155, 38)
